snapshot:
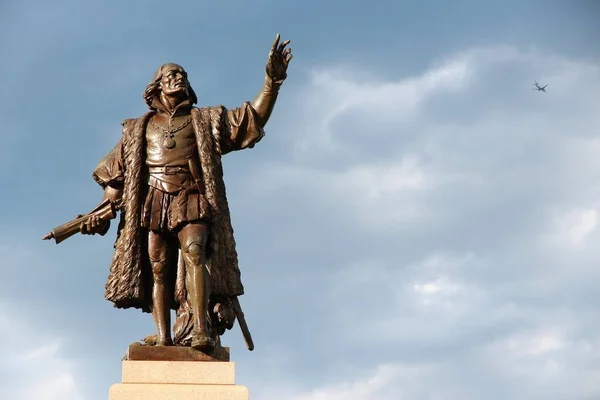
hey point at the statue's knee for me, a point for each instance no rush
(195, 250)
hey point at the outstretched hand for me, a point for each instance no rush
(279, 58)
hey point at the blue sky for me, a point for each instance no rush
(416, 212)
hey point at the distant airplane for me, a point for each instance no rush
(538, 88)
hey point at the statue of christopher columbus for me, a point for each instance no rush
(175, 247)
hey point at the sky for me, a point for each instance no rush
(416, 213)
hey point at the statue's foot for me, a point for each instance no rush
(153, 340)
(165, 342)
(203, 342)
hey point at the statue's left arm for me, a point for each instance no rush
(246, 123)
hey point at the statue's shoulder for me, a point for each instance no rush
(130, 123)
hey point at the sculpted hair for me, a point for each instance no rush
(153, 90)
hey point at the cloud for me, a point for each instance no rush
(532, 363)
(33, 365)
(454, 124)
(572, 228)
(443, 227)
(388, 381)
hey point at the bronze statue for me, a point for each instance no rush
(175, 247)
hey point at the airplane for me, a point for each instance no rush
(538, 88)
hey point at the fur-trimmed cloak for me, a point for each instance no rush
(218, 131)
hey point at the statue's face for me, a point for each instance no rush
(174, 83)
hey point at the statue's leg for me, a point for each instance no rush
(161, 311)
(193, 238)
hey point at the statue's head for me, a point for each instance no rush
(171, 79)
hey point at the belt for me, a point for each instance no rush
(168, 170)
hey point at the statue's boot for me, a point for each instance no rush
(202, 341)
(152, 340)
(201, 338)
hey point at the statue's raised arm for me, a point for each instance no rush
(246, 123)
(276, 73)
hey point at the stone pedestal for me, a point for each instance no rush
(175, 373)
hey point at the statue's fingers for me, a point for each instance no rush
(275, 43)
(287, 51)
(288, 58)
(82, 228)
(282, 45)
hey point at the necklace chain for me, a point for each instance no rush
(168, 142)
(171, 132)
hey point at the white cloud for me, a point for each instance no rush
(571, 229)
(524, 365)
(437, 190)
(391, 381)
(333, 94)
(436, 287)
(35, 367)
(388, 382)
(380, 150)
(532, 364)
(546, 364)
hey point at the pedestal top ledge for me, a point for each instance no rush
(141, 352)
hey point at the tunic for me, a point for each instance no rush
(173, 197)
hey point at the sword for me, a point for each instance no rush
(243, 326)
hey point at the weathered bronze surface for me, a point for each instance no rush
(139, 352)
(175, 247)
